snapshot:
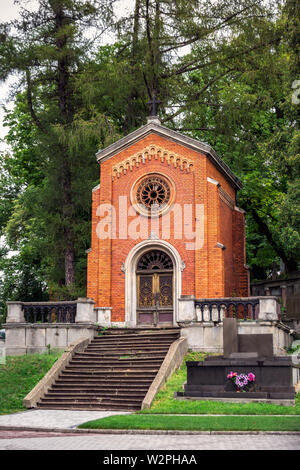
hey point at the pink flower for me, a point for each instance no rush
(251, 377)
(231, 375)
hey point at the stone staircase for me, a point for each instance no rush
(114, 372)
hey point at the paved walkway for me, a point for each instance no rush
(68, 420)
(152, 442)
(59, 419)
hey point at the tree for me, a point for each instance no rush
(221, 72)
(165, 41)
(249, 120)
(47, 49)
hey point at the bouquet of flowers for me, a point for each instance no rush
(242, 381)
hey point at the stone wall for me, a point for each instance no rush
(26, 338)
(208, 336)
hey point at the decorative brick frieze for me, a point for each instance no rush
(152, 152)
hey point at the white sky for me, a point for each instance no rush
(8, 12)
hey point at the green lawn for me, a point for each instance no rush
(166, 403)
(197, 423)
(19, 375)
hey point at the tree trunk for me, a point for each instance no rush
(130, 122)
(63, 77)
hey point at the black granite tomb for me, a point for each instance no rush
(243, 355)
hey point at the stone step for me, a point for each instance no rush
(115, 363)
(132, 349)
(139, 332)
(114, 372)
(117, 355)
(109, 384)
(84, 375)
(115, 367)
(146, 341)
(106, 377)
(94, 356)
(131, 344)
(95, 401)
(101, 377)
(113, 388)
(101, 389)
(112, 368)
(142, 333)
(84, 394)
(86, 407)
(142, 349)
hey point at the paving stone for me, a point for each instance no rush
(60, 419)
(152, 442)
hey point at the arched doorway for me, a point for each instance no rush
(155, 288)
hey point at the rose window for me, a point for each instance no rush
(153, 192)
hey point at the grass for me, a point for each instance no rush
(162, 414)
(167, 404)
(21, 373)
(18, 377)
(197, 423)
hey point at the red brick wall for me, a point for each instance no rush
(241, 274)
(93, 255)
(226, 240)
(208, 271)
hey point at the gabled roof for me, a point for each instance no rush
(154, 127)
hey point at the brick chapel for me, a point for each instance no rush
(166, 228)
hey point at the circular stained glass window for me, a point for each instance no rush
(153, 192)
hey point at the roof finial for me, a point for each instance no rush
(153, 105)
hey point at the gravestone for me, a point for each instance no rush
(253, 345)
(243, 355)
(230, 336)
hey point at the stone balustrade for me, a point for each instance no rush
(39, 326)
(80, 310)
(193, 310)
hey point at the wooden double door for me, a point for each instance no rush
(155, 290)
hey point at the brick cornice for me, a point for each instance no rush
(155, 128)
(151, 152)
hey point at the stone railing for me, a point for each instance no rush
(46, 312)
(201, 321)
(77, 311)
(193, 310)
(39, 326)
(243, 309)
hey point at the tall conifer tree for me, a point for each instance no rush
(47, 49)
